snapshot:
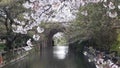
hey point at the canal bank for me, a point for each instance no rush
(16, 55)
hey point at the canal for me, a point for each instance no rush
(55, 57)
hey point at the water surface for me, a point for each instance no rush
(55, 57)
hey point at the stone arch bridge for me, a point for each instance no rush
(50, 30)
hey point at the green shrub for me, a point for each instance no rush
(2, 46)
(116, 45)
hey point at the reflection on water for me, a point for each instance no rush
(51, 58)
(60, 52)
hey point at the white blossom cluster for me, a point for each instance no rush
(111, 12)
(85, 13)
(110, 6)
(58, 35)
(22, 28)
(53, 10)
(111, 9)
(46, 11)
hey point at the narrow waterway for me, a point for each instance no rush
(56, 57)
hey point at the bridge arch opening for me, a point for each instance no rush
(59, 39)
(54, 36)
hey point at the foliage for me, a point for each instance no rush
(116, 45)
(2, 46)
(59, 40)
(5, 2)
(96, 25)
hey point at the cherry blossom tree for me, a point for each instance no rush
(7, 15)
(15, 23)
(22, 16)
